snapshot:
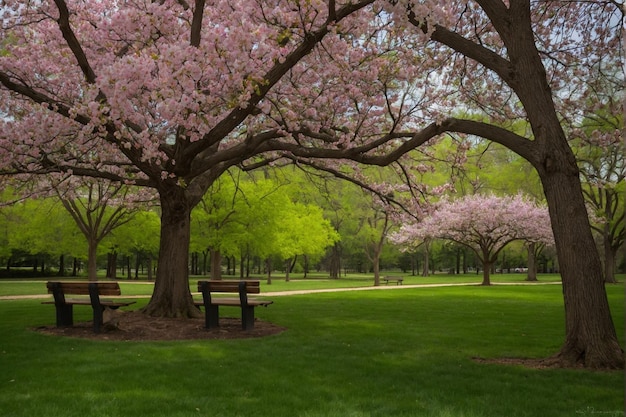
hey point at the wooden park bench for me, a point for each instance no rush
(398, 280)
(94, 289)
(242, 288)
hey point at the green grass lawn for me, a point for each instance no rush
(364, 353)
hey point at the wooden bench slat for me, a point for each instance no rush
(252, 287)
(234, 302)
(82, 287)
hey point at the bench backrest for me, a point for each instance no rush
(82, 287)
(219, 285)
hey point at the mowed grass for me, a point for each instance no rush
(363, 353)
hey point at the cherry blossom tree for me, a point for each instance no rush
(485, 224)
(169, 95)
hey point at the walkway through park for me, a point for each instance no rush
(300, 292)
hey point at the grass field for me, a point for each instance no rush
(405, 352)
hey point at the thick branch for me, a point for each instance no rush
(47, 167)
(196, 23)
(39, 98)
(362, 154)
(468, 48)
(72, 41)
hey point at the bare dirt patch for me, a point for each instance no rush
(135, 326)
(546, 363)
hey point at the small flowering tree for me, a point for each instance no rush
(485, 224)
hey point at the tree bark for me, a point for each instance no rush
(426, 266)
(171, 296)
(306, 265)
(61, 266)
(205, 254)
(609, 258)
(376, 267)
(532, 262)
(110, 269)
(335, 262)
(486, 273)
(590, 337)
(268, 264)
(216, 264)
(92, 266)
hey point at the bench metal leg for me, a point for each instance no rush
(211, 316)
(247, 317)
(65, 315)
(97, 318)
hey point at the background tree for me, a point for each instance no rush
(301, 230)
(600, 154)
(485, 224)
(215, 228)
(42, 228)
(139, 237)
(248, 217)
(98, 208)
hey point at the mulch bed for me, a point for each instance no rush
(135, 326)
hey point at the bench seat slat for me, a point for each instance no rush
(234, 302)
(252, 287)
(82, 287)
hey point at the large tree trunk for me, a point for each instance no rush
(61, 266)
(532, 262)
(590, 337)
(486, 273)
(92, 252)
(268, 264)
(335, 262)
(216, 264)
(376, 267)
(75, 268)
(112, 265)
(171, 296)
(426, 265)
(287, 269)
(609, 258)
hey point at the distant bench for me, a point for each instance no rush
(64, 306)
(242, 288)
(397, 280)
